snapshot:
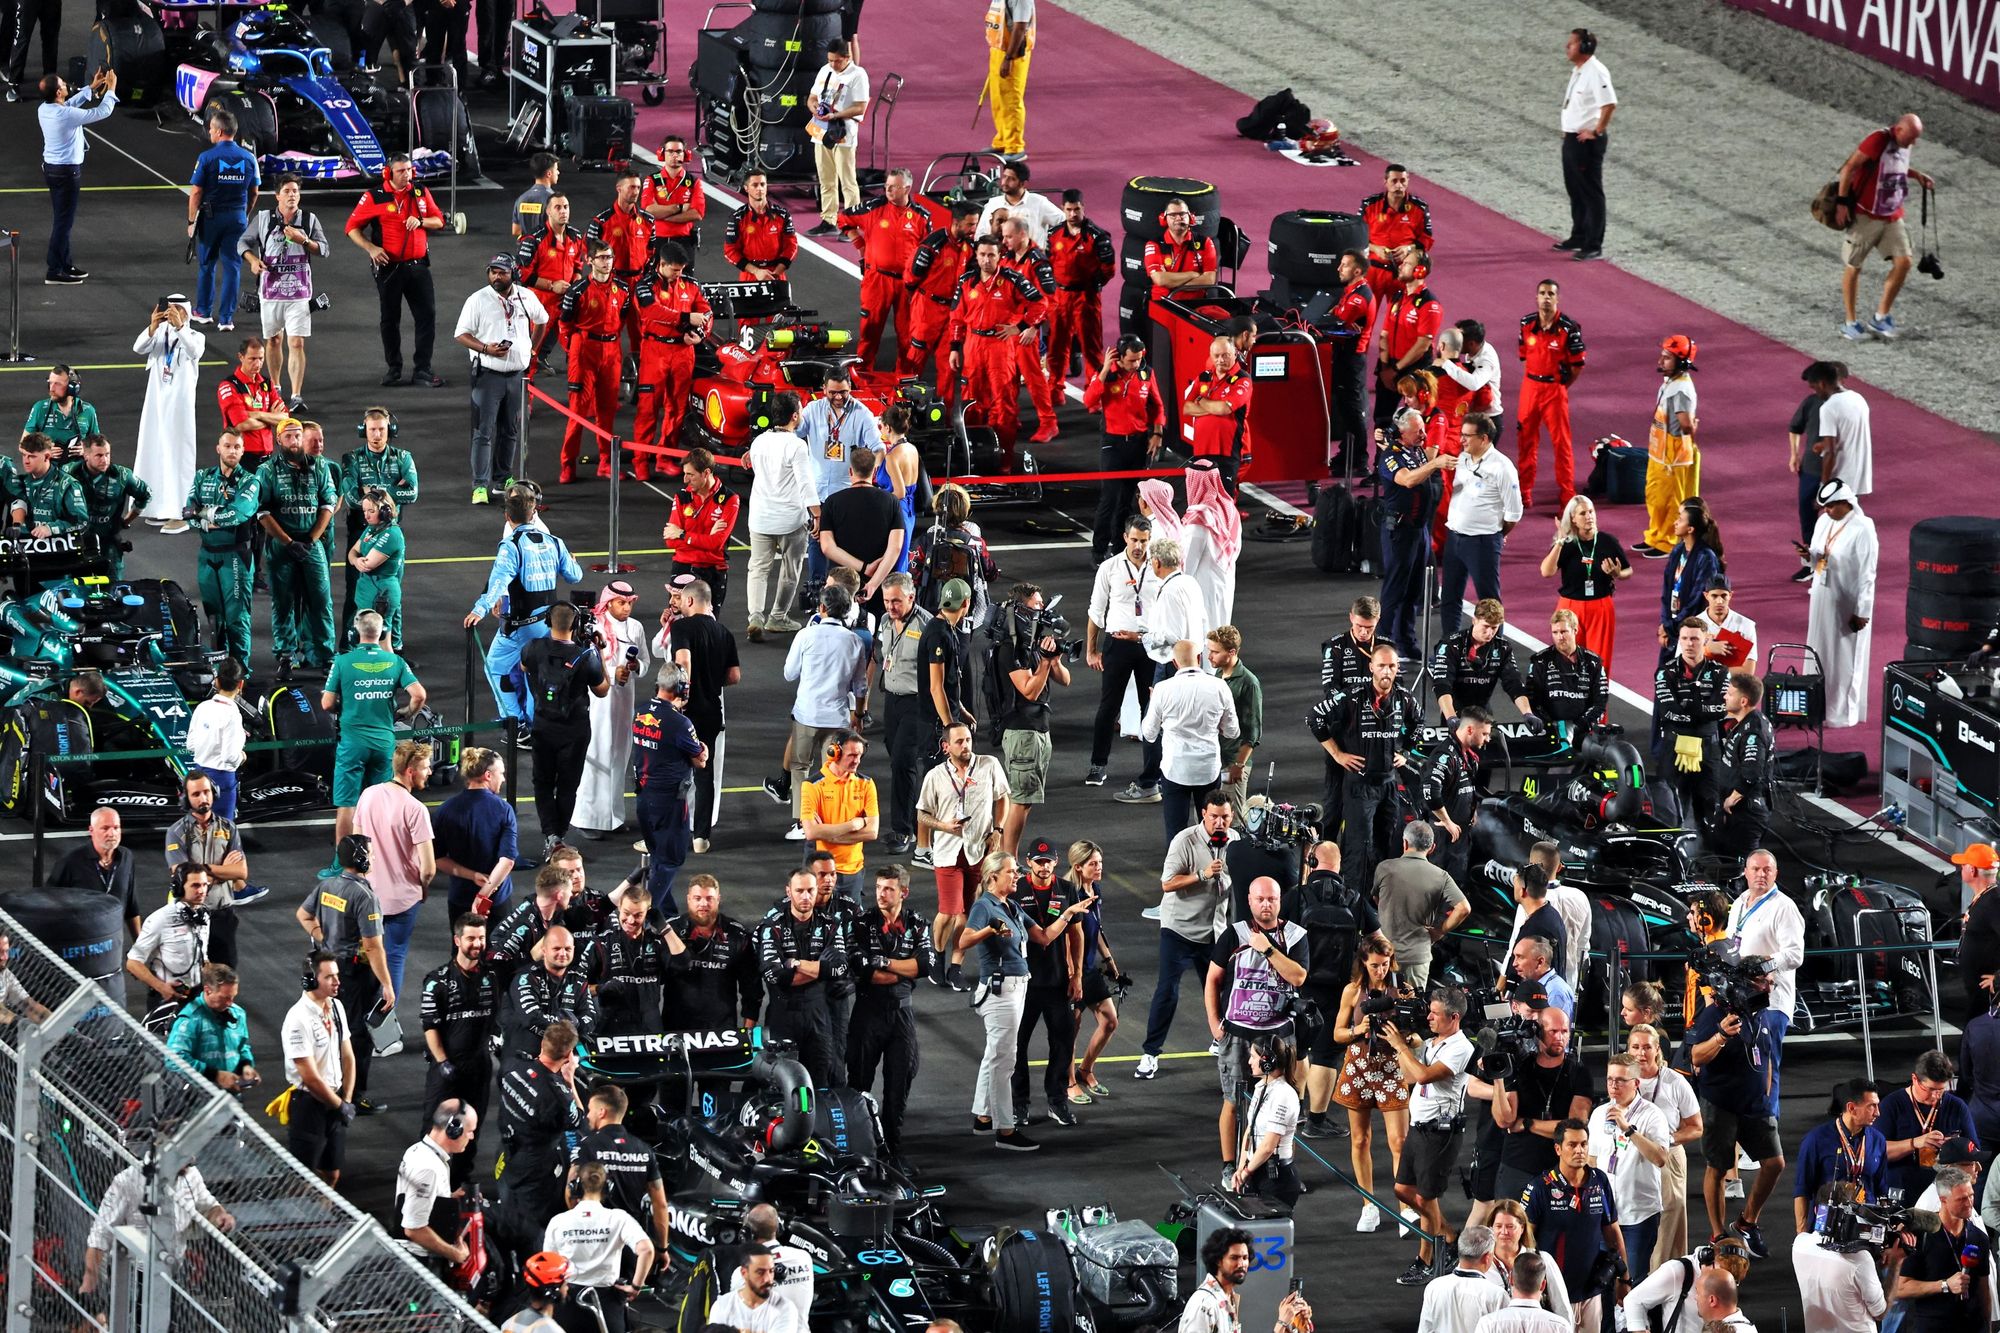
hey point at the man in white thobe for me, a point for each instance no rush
(164, 460)
(1842, 554)
(600, 800)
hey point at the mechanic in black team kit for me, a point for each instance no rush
(1055, 978)
(1744, 768)
(895, 944)
(1566, 683)
(1343, 666)
(712, 977)
(1368, 733)
(797, 951)
(1687, 712)
(626, 963)
(461, 1008)
(1469, 664)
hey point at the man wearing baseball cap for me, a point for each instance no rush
(1055, 979)
(497, 325)
(1979, 941)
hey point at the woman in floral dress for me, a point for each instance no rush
(1368, 1078)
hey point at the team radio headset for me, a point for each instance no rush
(361, 426)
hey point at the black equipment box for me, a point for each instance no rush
(600, 131)
(548, 71)
(1940, 753)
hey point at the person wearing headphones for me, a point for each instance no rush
(423, 1181)
(344, 919)
(1135, 420)
(1587, 105)
(545, 1277)
(206, 838)
(320, 1054)
(665, 753)
(63, 416)
(1692, 1290)
(376, 464)
(530, 562)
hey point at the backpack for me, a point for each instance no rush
(1326, 908)
(1280, 116)
(949, 553)
(1672, 1321)
(554, 685)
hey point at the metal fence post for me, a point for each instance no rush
(37, 780)
(1867, 1029)
(513, 769)
(169, 1156)
(12, 240)
(35, 1043)
(1937, 1017)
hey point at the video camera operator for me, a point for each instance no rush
(1336, 917)
(1840, 1286)
(562, 674)
(1943, 1279)
(1436, 1074)
(1531, 1100)
(1694, 1292)
(1028, 656)
(1730, 1065)
(1765, 921)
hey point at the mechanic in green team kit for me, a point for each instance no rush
(295, 502)
(222, 504)
(375, 564)
(361, 689)
(375, 464)
(41, 497)
(112, 495)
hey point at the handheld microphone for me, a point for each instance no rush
(1968, 1260)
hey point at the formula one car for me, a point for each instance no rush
(736, 377)
(142, 639)
(300, 113)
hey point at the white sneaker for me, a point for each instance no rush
(1410, 1221)
(1371, 1218)
(1215, 1048)
(796, 833)
(1732, 1189)
(1744, 1162)
(393, 1048)
(1149, 1066)
(701, 846)
(1151, 913)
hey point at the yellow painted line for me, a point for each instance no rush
(42, 368)
(488, 559)
(1133, 1059)
(41, 189)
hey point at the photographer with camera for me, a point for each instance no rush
(562, 675)
(1027, 657)
(1731, 1069)
(1840, 1286)
(1574, 1209)
(1766, 922)
(1943, 1281)
(1190, 716)
(1846, 1148)
(1436, 1074)
(1532, 1098)
(1370, 1074)
(1336, 917)
(1263, 961)
(1693, 1292)
(1451, 788)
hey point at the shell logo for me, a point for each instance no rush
(712, 409)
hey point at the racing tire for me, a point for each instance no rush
(292, 714)
(1145, 197)
(443, 124)
(772, 43)
(331, 32)
(1947, 622)
(1306, 245)
(256, 119)
(805, 8)
(132, 44)
(653, 94)
(1034, 1284)
(1958, 556)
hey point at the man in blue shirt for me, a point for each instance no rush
(1919, 1120)
(522, 587)
(63, 115)
(1847, 1147)
(219, 206)
(1576, 1219)
(833, 427)
(829, 663)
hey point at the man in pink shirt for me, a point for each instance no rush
(1868, 209)
(398, 826)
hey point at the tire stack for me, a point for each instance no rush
(1145, 198)
(1954, 596)
(87, 930)
(784, 48)
(1305, 249)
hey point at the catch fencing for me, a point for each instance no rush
(95, 1113)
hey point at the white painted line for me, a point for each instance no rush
(143, 165)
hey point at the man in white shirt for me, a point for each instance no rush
(497, 325)
(423, 1180)
(1112, 644)
(1435, 1073)
(784, 505)
(595, 1238)
(1020, 203)
(1769, 924)
(1178, 610)
(839, 98)
(1629, 1138)
(1524, 1313)
(123, 1205)
(751, 1305)
(1189, 713)
(173, 940)
(1670, 1092)
(1694, 1290)
(1846, 444)
(215, 735)
(1458, 1301)
(1841, 1293)
(962, 805)
(319, 1051)
(1587, 105)
(794, 1265)
(1485, 506)
(1472, 364)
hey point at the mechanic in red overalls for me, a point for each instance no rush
(595, 312)
(1350, 320)
(760, 240)
(887, 230)
(1019, 253)
(251, 405)
(1215, 412)
(996, 311)
(936, 265)
(392, 223)
(699, 524)
(1409, 334)
(548, 261)
(1551, 358)
(672, 316)
(1398, 222)
(1083, 261)
(1183, 262)
(627, 229)
(673, 198)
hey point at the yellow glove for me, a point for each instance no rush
(280, 1107)
(1687, 753)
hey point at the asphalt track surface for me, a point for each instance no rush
(129, 237)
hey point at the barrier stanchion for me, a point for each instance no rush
(611, 564)
(471, 668)
(513, 733)
(12, 240)
(37, 781)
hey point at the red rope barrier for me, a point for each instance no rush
(665, 451)
(1033, 477)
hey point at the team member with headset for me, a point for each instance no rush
(522, 586)
(67, 419)
(167, 956)
(424, 1182)
(113, 496)
(344, 920)
(210, 840)
(376, 464)
(318, 1105)
(461, 1006)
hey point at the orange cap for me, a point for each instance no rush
(1980, 856)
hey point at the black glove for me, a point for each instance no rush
(1535, 726)
(347, 1112)
(299, 551)
(446, 1069)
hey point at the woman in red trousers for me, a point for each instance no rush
(1591, 564)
